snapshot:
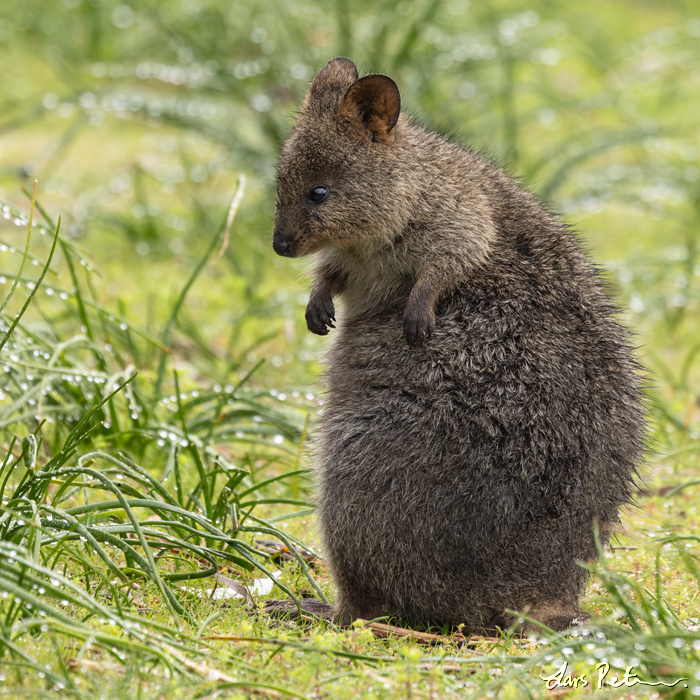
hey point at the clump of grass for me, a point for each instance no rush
(643, 635)
(113, 480)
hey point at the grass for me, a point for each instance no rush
(77, 506)
(158, 385)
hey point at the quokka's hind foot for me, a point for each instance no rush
(287, 609)
(554, 614)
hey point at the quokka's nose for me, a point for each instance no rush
(280, 245)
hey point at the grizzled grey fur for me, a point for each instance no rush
(483, 410)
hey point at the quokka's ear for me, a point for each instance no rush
(331, 82)
(372, 106)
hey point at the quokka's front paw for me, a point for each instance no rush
(418, 323)
(320, 316)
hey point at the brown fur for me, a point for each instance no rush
(483, 410)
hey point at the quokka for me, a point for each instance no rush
(483, 409)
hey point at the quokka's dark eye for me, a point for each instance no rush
(318, 193)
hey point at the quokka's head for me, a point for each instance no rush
(339, 178)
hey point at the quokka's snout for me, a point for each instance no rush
(281, 245)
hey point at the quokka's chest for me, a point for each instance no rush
(377, 281)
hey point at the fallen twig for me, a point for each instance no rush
(383, 631)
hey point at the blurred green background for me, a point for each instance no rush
(140, 120)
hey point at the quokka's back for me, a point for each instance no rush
(483, 413)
